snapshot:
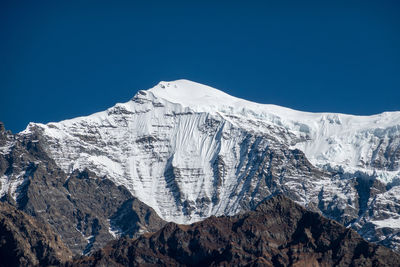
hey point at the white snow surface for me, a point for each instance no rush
(389, 222)
(168, 137)
(334, 139)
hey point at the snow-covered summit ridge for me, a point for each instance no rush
(203, 98)
(190, 93)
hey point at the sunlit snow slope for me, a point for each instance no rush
(191, 151)
(351, 142)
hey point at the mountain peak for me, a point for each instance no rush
(189, 93)
(190, 151)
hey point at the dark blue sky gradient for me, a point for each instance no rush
(62, 59)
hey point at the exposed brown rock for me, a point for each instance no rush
(26, 242)
(278, 233)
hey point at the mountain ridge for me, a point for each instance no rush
(323, 129)
(188, 163)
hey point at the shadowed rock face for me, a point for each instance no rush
(26, 242)
(85, 210)
(277, 233)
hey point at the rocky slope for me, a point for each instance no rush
(27, 242)
(86, 211)
(190, 151)
(278, 233)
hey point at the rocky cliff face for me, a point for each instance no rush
(85, 210)
(277, 233)
(27, 242)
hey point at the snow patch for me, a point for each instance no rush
(393, 223)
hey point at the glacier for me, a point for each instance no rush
(190, 151)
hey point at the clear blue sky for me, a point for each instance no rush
(62, 59)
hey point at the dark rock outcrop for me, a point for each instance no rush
(134, 217)
(26, 242)
(277, 233)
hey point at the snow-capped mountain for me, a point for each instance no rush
(190, 151)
